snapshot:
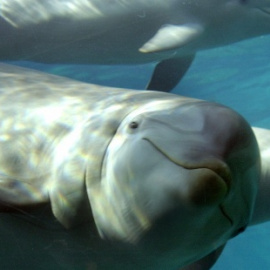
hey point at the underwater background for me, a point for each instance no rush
(237, 76)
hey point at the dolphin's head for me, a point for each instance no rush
(178, 178)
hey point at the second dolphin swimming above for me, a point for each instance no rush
(127, 32)
(167, 180)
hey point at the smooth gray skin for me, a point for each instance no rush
(261, 210)
(127, 31)
(166, 179)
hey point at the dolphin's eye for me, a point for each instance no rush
(133, 125)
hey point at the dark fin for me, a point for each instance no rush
(206, 262)
(169, 72)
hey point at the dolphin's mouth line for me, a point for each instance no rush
(224, 213)
(224, 174)
(220, 169)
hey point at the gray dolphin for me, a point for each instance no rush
(164, 180)
(127, 32)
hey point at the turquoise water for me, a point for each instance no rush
(237, 76)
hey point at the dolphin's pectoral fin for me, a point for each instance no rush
(169, 72)
(69, 199)
(206, 262)
(71, 209)
(170, 36)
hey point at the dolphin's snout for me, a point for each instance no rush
(201, 184)
(198, 139)
(209, 189)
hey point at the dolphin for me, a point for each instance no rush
(157, 178)
(127, 32)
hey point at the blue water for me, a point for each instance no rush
(235, 75)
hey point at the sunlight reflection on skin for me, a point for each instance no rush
(74, 145)
(39, 11)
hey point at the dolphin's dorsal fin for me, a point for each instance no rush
(172, 36)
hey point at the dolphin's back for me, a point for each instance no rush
(45, 120)
(49, 122)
